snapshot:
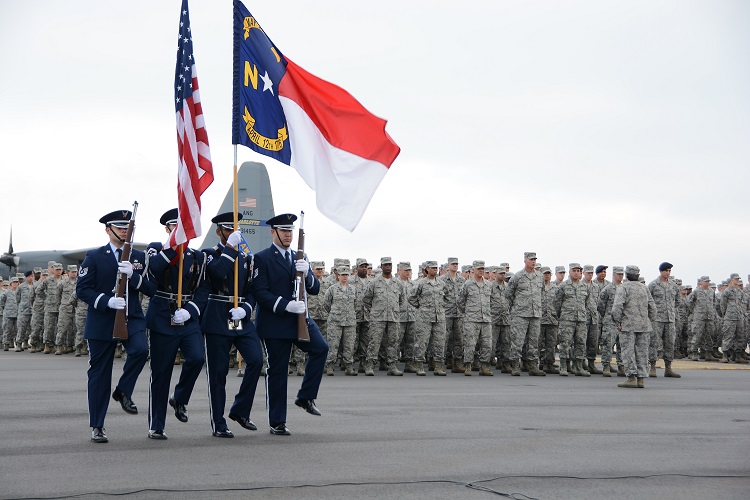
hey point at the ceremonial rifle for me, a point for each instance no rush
(303, 335)
(120, 330)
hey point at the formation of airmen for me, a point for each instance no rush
(447, 319)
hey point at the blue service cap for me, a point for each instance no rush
(283, 221)
(118, 218)
(169, 217)
(601, 268)
(226, 220)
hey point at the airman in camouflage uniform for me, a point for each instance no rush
(66, 327)
(595, 327)
(408, 317)
(454, 329)
(733, 311)
(500, 311)
(49, 288)
(682, 321)
(81, 310)
(9, 307)
(474, 304)
(609, 329)
(633, 312)
(667, 300)
(428, 297)
(383, 300)
(24, 295)
(339, 304)
(360, 281)
(315, 303)
(37, 312)
(524, 293)
(548, 333)
(571, 305)
(701, 307)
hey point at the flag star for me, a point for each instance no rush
(185, 39)
(184, 12)
(267, 83)
(181, 23)
(177, 100)
(191, 85)
(190, 57)
(179, 88)
(187, 68)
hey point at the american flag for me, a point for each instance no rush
(195, 172)
(249, 203)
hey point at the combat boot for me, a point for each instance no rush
(550, 369)
(584, 365)
(475, 366)
(630, 383)
(581, 372)
(717, 353)
(668, 372)
(382, 367)
(47, 349)
(369, 372)
(652, 370)
(58, 350)
(524, 365)
(593, 370)
(118, 351)
(329, 369)
(563, 368)
(641, 384)
(505, 367)
(516, 370)
(301, 369)
(85, 349)
(458, 366)
(418, 369)
(78, 352)
(693, 356)
(709, 356)
(569, 365)
(606, 371)
(33, 349)
(350, 370)
(741, 357)
(724, 357)
(411, 366)
(393, 370)
(534, 370)
(431, 364)
(18, 347)
(467, 369)
(484, 370)
(620, 370)
(439, 370)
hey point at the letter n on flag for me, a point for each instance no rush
(340, 149)
(194, 171)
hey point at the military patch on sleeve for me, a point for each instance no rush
(209, 258)
(255, 273)
(83, 272)
(151, 251)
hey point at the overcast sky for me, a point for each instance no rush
(602, 132)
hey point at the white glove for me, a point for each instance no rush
(237, 314)
(116, 303)
(181, 315)
(302, 267)
(126, 268)
(234, 239)
(296, 307)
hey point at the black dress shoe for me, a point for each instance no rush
(157, 434)
(246, 423)
(180, 411)
(308, 405)
(98, 435)
(224, 434)
(126, 403)
(280, 430)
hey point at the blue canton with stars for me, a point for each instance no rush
(258, 120)
(183, 74)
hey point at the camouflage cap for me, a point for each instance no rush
(501, 269)
(618, 270)
(678, 281)
(404, 266)
(642, 279)
(704, 278)
(452, 260)
(477, 264)
(51, 263)
(559, 269)
(318, 264)
(431, 263)
(490, 269)
(712, 285)
(588, 268)
(508, 276)
(529, 255)
(20, 275)
(343, 270)
(465, 269)
(688, 286)
(13, 279)
(537, 265)
(545, 270)
(385, 260)
(360, 261)
(37, 269)
(72, 268)
(734, 275)
(57, 267)
(505, 264)
(632, 269)
(45, 272)
(574, 265)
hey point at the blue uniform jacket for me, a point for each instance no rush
(273, 287)
(95, 286)
(220, 281)
(164, 276)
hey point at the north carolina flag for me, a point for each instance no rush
(340, 149)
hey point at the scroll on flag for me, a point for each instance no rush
(340, 149)
(194, 170)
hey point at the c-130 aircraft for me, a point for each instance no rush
(255, 204)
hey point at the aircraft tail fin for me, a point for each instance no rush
(255, 204)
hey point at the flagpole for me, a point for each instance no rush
(235, 197)
(180, 250)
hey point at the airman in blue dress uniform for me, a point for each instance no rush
(224, 325)
(173, 327)
(96, 283)
(273, 287)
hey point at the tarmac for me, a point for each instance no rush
(388, 437)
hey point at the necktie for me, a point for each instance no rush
(289, 257)
(118, 253)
